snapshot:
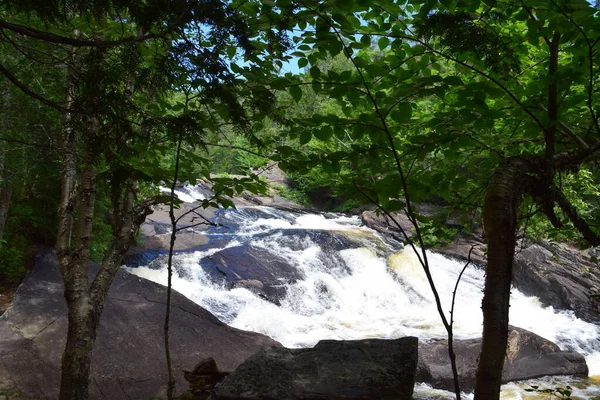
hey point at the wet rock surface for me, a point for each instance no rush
(388, 225)
(359, 369)
(128, 359)
(458, 249)
(528, 356)
(253, 268)
(155, 233)
(561, 277)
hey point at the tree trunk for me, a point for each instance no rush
(502, 199)
(75, 217)
(5, 195)
(85, 298)
(77, 356)
(85, 302)
(83, 319)
(5, 186)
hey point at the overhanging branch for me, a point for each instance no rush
(30, 92)
(571, 212)
(53, 38)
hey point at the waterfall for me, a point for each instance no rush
(187, 192)
(355, 284)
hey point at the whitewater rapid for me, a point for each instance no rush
(374, 290)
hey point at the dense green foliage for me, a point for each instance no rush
(28, 165)
(150, 81)
(448, 91)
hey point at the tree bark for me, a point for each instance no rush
(5, 196)
(86, 303)
(82, 317)
(77, 356)
(503, 196)
(5, 186)
(75, 217)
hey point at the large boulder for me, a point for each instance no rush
(155, 233)
(528, 356)
(253, 268)
(561, 277)
(388, 225)
(360, 369)
(465, 249)
(189, 215)
(128, 358)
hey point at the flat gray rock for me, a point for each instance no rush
(528, 356)
(128, 360)
(353, 369)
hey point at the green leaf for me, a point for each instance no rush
(376, 70)
(453, 81)
(296, 93)
(285, 150)
(402, 113)
(336, 166)
(231, 50)
(325, 133)
(365, 40)
(342, 20)
(315, 73)
(383, 43)
(305, 137)
(360, 62)
(303, 62)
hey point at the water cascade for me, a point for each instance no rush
(353, 283)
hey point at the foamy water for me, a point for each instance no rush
(186, 193)
(359, 293)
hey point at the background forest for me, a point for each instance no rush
(486, 108)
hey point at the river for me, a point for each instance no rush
(372, 289)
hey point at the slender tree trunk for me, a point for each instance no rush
(171, 380)
(502, 199)
(5, 186)
(69, 177)
(75, 216)
(85, 302)
(5, 196)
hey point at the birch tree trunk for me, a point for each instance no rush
(82, 319)
(75, 217)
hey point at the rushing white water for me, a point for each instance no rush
(369, 291)
(186, 193)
